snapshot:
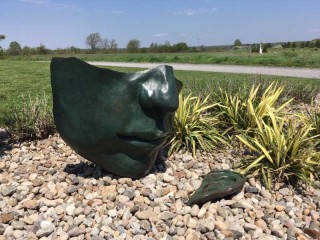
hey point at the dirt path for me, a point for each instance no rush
(277, 71)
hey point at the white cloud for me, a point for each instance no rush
(54, 4)
(40, 2)
(118, 12)
(200, 11)
(315, 30)
(160, 34)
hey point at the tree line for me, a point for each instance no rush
(98, 44)
(95, 44)
(301, 44)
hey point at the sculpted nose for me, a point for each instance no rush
(159, 94)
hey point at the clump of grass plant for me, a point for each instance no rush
(313, 117)
(241, 112)
(194, 126)
(282, 150)
(30, 119)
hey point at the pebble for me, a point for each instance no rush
(49, 192)
(266, 194)
(166, 215)
(207, 225)
(18, 234)
(144, 215)
(70, 209)
(76, 231)
(6, 217)
(30, 204)
(194, 210)
(17, 225)
(8, 191)
(221, 225)
(46, 228)
(284, 191)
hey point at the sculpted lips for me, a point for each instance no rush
(143, 139)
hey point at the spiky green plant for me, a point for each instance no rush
(282, 150)
(194, 127)
(313, 115)
(241, 112)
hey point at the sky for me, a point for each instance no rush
(65, 23)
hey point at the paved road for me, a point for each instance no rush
(277, 71)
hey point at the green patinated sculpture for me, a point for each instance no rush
(118, 121)
(216, 185)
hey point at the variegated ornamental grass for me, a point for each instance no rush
(194, 127)
(241, 112)
(283, 150)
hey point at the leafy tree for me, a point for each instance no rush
(74, 49)
(317, 43)
(1, 53)
(180, 47)
(14, 48)
(153, 47)
(42, 49)
(264, 49)
(105, 43)
(93, 41)
(26, 50)
(307, 44)
(286, 45)
(237, 43)
(113, 45)
(255, 48)
(133, 45)
(1, 49)
(166, 46)
(109, 45)
(294, 45)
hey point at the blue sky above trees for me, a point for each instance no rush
(65, 23)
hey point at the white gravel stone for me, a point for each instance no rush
(70, 209)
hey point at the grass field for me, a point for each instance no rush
(300, 57)
(24, 78)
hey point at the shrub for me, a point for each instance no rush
(241, 111)
(31, 119)
(282, 149)
(194, 127)
(314, 119)
(289, 54)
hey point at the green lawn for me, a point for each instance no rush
(300, 57)
(24, 78)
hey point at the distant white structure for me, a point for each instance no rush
(260, 50)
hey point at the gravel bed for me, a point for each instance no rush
(49, 192)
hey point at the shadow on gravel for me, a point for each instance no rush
(91, 170)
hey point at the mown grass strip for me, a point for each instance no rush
(24, 78)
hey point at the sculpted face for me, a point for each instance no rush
(118, 121)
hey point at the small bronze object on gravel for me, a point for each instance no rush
(118, 121)
(216, 185)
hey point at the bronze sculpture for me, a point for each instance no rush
(216, 185)
(117, 120)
